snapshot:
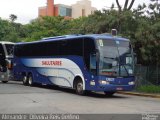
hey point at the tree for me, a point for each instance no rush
(141, 25)
(126, 7)
(12, 17)
(7, 31)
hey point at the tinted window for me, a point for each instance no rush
(53, 48)
(18, 50)
(2, 56)
(75, 47)
(9, 48)
(1, 50)
(71, 47)
(89, 48)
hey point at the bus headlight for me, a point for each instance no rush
(131, 83)
(92, 83)
(103, 82)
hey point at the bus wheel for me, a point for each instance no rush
(30, 80)
(108, 93)
(25, 81)
(79, 88)
(4, 81)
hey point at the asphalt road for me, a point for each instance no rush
(16, 98)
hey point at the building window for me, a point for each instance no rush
(83, 12)
(62, 11)
(69, 12)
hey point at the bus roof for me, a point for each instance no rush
(6, 42)
(94, 36)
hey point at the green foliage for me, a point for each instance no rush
(46, 26)
(127, 6)
(149, 89)
(140, 25)
(13, 17)
(7, 31)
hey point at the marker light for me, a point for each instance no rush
(131, 83)
(103, 82)
(92, 83)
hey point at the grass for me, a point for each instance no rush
(149, 89)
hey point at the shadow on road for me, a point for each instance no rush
(12, 82)
(88, 94)
(70, 91)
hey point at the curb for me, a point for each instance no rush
(139, 94)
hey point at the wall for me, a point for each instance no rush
(82, 8)
(42, 11)
(50, 7)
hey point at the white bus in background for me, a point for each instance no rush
(6, 55)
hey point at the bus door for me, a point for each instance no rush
(2, 59)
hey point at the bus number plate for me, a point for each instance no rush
(119, 88)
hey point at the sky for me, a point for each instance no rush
(27, 10)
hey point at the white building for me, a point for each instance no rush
(82, 8)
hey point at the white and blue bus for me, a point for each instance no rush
(6, 55)
(95, 62)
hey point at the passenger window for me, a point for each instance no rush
(93, 63)
(88, 52)
(2, 54)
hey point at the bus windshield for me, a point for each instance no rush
(115, 58)
(9, 49)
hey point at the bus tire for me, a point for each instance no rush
(108, 93)
(30, 80)
(79, 87)
(25, 80)
(4, 81)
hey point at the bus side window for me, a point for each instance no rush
(93, 63)
(2, 53)
(9, 49)
(2, 57)
(75, 47)
(89, 49)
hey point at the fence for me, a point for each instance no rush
(147, 75)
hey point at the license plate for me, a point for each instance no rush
(119, 88)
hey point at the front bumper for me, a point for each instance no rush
(5, 76)
(111, 87)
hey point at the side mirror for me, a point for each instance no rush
(1, 68)
(114, 32)
(135, 58)
(93, 61)
(9, 64)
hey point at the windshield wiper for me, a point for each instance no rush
(125, 68)
(120, 62)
